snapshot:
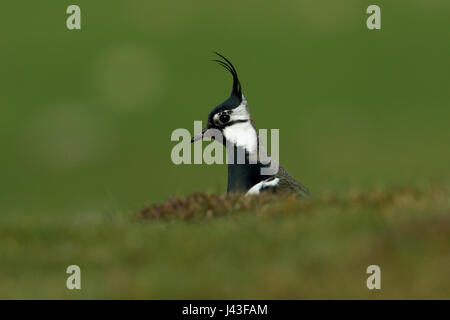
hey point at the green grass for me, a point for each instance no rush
(256, 247)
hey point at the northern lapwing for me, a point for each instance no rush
(232, 119)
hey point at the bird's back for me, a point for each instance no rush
(287, 183)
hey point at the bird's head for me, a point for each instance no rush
(232, 112)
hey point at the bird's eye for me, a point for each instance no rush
(224, 118)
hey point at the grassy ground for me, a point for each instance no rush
(216, 246)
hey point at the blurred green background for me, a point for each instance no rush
(87, 114)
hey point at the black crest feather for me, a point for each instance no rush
(237, 90)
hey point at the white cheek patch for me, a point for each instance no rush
(240, 113)
(256, 189)
(216, 118)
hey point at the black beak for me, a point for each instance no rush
(199, 136)
(204, 134)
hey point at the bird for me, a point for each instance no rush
(232, 120)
